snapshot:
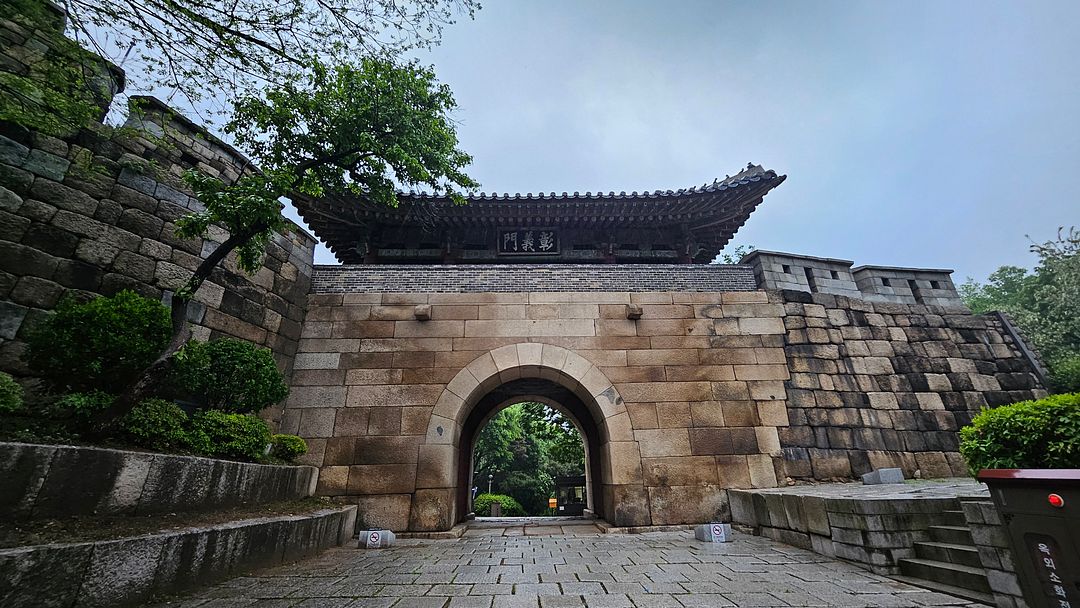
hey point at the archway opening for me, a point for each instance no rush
(529, 435)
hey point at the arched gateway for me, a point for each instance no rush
(527, 371)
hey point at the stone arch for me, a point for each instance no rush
(615, 459)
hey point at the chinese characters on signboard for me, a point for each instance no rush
(1055, 582)
(532, 241)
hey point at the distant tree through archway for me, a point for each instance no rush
(521, 452)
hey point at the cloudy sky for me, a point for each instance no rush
(930, 134)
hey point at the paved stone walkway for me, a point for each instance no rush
(654, 570)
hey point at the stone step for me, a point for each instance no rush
(967, 594)
(954, 535)
(954, 518)
(957, 575)
(964, 555)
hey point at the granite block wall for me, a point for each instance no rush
(94, 212)
(688, 398)
(881, 384)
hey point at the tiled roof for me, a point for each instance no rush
(710, 213)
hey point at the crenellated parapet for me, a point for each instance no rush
(926, 286)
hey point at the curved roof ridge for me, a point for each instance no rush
(752, 173)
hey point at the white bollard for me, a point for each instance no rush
(376, 539)
(713, 533)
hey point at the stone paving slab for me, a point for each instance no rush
(653, 570)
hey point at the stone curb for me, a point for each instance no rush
(131, 570)
(38, 481)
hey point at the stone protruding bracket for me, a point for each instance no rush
(633, 311)
(713, 533)
(422, 312)
(376, 539)
(881, 476)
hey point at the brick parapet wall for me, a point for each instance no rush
(879, 384)
(95, 212)
(515, 278)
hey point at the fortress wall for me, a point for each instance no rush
(698, 385)
(881, 384)
(94, 212)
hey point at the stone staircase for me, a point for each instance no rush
(948, 562)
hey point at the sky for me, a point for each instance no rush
(926, 134)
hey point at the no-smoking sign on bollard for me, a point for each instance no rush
(713, 533)
(376, 539)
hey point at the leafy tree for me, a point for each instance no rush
(736, 254)
(1045, 304)
(351, 129)
(526, 446)
(234, 48)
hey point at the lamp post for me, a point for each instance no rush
(490, 477)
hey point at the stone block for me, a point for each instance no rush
(688, 504)
(382, 478)
(384, 512)
(713, 533)
(883, 476)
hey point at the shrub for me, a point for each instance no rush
(229, 375)
(288, 447)
(101, 344)
(510, 507)
(228, 435)
(11, 394)
(83, 406)
(1065, 374)
(156, 424)
(1040, 434)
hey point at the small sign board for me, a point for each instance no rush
(552, 503)
(528, 241)
(376, 539)
(713, 533)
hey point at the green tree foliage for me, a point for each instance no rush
(736, 254)
(359, 129)
(11, 394)
(1044, 303)
(525, 446)
(102, 344)
(197, 48)
(229, 375)
(1041, 434)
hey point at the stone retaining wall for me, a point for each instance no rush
(95, 212)
(38, 481)
(505, 278)
(129, 571)
(991, 538)
(873, 526)
(880, 384)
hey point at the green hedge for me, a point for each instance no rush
(101, 344)
(1040, 434)
(287, 447)
(157, 424)
(229, 375)
(510, 507)
(227, 435)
